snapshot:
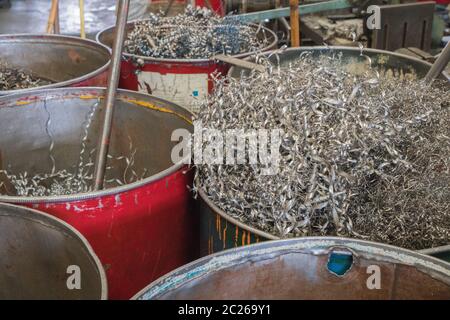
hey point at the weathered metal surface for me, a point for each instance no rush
(237, 6)
(285, 12)
(307, 268)
(177, 80)
(404, 25)
(219, 231)
(140, 231)
(38, 255)
(66, 61)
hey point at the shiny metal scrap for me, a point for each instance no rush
(198, 33)
(364, 152)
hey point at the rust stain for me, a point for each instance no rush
(161, 109)
(75, 56)
(209, 236)
(212, 244)
(219, 227)
(225, 235)
(133, 101)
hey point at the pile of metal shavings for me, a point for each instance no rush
(364, 156)
(198, 33)
(14, 79)
(79, 179)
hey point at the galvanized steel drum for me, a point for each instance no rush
(182, 81)
(65, 61)
(44, 258)
(139, 230)
(219, 231)
(307, 268)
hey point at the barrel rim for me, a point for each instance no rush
(68, 227)
(167, 60)
(54, 38)
(216, 260)
(229, 218)
(100, 193)
(343, 48)
(215, 209)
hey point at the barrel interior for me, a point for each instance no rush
(281, 271)
(56, 59)
(106, 37)
(354, 59)
(53, 124)
(40, 254)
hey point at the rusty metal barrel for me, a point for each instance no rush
(61, 60)
(141, 229)
(182, 81)
(43, 257)
(219, 231)
(307, 268)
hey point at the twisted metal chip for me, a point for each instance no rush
(365, 152)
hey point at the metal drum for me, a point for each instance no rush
(139, 230)
(216, 5)
(181, 81)
(65, 61)
(45, 258)
(219, 231)
(307, 268)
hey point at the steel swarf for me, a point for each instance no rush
(14, 79)
(364, 154)
(76, 179)
(198, 33)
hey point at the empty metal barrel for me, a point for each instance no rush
(307, 268)
(61, 60)
(218, 230)
(44, 258)
(141, 229)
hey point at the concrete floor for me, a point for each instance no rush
(30, 16)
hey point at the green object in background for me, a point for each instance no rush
(438, 30)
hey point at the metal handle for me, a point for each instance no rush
(113, 82)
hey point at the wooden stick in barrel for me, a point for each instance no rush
(295, 23)
(82, 28)
(110, 99)
(53, 17)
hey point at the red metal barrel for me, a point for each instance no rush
(216, 5)
(178, 80)
(65, 61)
(140, 230)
